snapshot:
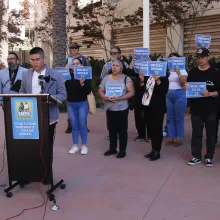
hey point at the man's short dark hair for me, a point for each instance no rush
(174, 54)
(37, 50)
(13, 53)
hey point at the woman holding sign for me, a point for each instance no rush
(77, 91)
(154, 89)
(176, 101)
(115, 89)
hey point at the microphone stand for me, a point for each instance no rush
(42, 87)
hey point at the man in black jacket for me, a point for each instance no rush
(204, 110)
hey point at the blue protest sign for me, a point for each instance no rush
(143, 67)
(114, 90)
(70, 60)
(176, 62)
(83, 72)
(203, 40)
(24, 118)
(109, 66)
(156, 67)
(141, 53)
(140, 66)
(64, 71)
(136, 64)
(195, 89)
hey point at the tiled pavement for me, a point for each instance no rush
(133, 188)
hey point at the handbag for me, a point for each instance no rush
(91, 103)
(131, 100)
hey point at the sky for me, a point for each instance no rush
(83, 3)
(15, 4)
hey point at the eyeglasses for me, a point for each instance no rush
(114, 53)
(13, 58)
(35, 60)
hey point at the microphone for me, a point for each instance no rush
(41, 82)
(47, 78)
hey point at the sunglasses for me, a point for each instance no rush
(114, 53)
(74, 48)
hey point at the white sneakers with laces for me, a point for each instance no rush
(84, 150)
(74, 149)
(194, 161)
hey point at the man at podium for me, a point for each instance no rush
(42, 79)
(10, 78)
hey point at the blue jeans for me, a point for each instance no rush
(176, 105)
(78, 112)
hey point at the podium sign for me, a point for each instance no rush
(24, 118)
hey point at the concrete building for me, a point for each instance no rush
(182, 36)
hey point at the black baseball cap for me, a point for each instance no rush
(202, 52)
(75, 45)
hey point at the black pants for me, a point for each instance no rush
(198, 123)
(140, 121)
(154, 122)
(139, 117)
(118, 127)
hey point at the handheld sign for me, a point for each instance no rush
(141, 53)
(203, 40)
(143, 67)
(64, 71)
(83, 72)
(195, 89)
(140, 66)
(155, 67)
(136, 64)
(70, 60)
(109, 66)
(114, 90)
(177, 62)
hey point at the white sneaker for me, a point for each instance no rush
(84, 150)
(73, 150)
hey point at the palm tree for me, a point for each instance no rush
(59, 36)
(3, 32)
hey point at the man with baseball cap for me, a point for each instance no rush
(74, 53)
(204, 109)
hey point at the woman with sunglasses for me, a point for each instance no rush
(117, 108)
(77, 105)
(115, 54)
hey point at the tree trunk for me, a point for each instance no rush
(59, 36)
(3, 33)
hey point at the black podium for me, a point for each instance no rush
(28, 143)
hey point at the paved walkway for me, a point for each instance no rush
(133, 188)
